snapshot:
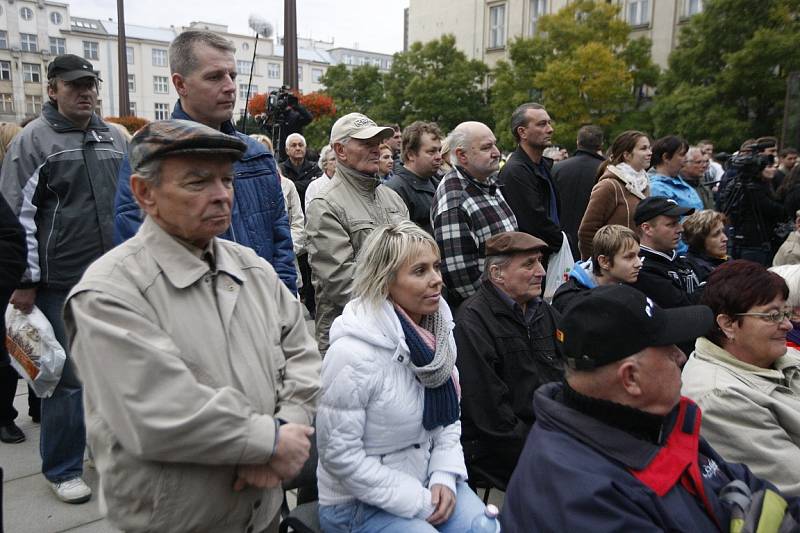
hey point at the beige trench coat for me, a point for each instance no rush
(185, 372)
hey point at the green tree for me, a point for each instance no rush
(727, 76)
(435, 82)
(582, 66)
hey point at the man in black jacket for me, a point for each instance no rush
(297, 168)
(415, 180)
(526, 178)
(506, 350)
(575, 177)
(665, 277)
(12, 265)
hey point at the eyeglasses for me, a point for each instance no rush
(776, 317)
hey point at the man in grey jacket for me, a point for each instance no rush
(59, 177)
(200, 376)
(338, 221)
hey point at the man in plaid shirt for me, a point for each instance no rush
(468, 208)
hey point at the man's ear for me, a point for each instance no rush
(179, 83)
(144, 192)
(628, 375)
(604, 262)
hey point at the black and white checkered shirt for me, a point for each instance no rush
(465, 213)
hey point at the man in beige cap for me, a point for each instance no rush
(347, 210)
(505, 336)
(200, 377)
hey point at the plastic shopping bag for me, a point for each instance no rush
(558, 268)
(35, 353)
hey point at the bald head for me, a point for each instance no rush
(474, 148)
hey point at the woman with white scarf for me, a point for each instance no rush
(622, 184)
(388, 430)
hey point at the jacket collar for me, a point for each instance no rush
(612, 442)
(416, 182)
(490, 184)
(178, 112)
(502, 305)
(524, 158)
(581, 151)
(181, 267)
(62, 124)
(364, 184)
(785, 369)
(656, 253)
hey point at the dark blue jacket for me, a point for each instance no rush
(259, 218)
(573, 475)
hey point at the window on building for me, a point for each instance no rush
(129, 55)
(159, 57)
(58, 46)
(160, 84)
(243, 90)
(243, 67)
(56, 18)
(162, 111)
(131, 83)
(497, 26)
(638, 12)
(538, 8)
(31, 73)
(347, 59)
(299, 72)
(28, 42)
(26, 13)
(316, 74)
(33, 104)
(6, 103)
(132, 107)
(245, 46)
(274, 71)
(90, 50)
(5, 70)
(693, 7)
(3, 39)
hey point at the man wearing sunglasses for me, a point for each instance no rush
(59, 177)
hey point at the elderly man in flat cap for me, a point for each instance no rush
(506, 350)
(339, 220)
(200, 376)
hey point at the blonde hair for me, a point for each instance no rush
(263, 139)
(698, 226)
(609, 241)
(8, 130)
(791, 275)
(385, 251)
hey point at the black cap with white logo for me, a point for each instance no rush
(611, 322)
(652, 206)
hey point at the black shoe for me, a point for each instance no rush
(36, 418)
(11, 434)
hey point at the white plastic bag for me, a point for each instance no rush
(35, 352)
(558, 268)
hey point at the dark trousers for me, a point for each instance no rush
(307, 291)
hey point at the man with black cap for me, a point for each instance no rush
(665, 277)
(200, 375)
(505, 336)
(59, 177)
(615, 447)
(338, 221)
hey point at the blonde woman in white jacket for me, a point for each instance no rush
(388, 429)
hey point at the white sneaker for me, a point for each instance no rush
(72, 491)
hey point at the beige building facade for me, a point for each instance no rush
(484, 28)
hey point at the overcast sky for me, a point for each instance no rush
(374, 25)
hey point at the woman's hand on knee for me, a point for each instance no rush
(444, 503)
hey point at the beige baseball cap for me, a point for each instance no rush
(358, 126)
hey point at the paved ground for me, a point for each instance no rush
(29, 505)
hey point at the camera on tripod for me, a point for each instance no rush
(749, 164)
(278, 101)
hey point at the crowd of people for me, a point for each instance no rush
(658, 390)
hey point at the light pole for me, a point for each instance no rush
(290, 44)
(122, 61)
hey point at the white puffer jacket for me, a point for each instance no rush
(372, 446)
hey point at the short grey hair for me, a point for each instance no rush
(790, 274)
(182, 59)
(385, 251)
(692, 150)
(323, 156)
(458, 138)
(293, 136)
(150, 172)
(500, 261)
(519, 119)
